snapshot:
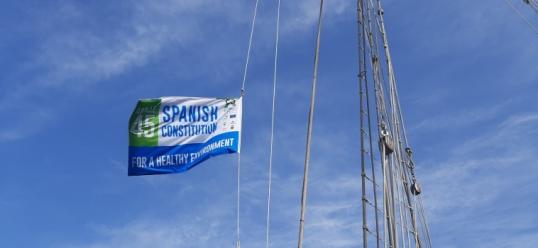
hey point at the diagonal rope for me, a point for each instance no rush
(534, 28)
(251, 38)
(533, 4)
(267, 227)
(309, 129)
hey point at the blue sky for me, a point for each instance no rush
(72, 71)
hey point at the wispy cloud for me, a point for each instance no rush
(303, 15)
(483, 181)
(462, 118)
(189, 231)
(88, 54)
(30, 124)
(75, 52)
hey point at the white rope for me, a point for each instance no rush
(249, 48)
(238, 244)
(522, 16)
(251, 37)
(267, 227)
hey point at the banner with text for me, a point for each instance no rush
(174, 134)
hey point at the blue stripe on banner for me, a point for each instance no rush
(148, 160)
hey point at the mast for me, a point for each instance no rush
(309, 130)
(404, 223)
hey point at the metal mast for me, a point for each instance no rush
(400, 222)
(309, 129)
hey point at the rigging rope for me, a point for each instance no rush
(390, 121)
(275, 66)
(397, 121)
(251, 37)
(534, 28)
(249, 48)
(365, 111)
(533, 4)
(309, 129)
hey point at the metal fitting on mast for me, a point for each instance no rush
(386, 140)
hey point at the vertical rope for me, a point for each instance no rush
(275, 67)
(362, 81)
(247, 60)
(372, 42)
(309, 130)
(238, 243)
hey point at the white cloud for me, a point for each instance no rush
(88, 54)
(200, 231)
(462, 118)
(28, 125)
(487, 174)
(303, 15)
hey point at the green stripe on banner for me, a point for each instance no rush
(144, 123)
